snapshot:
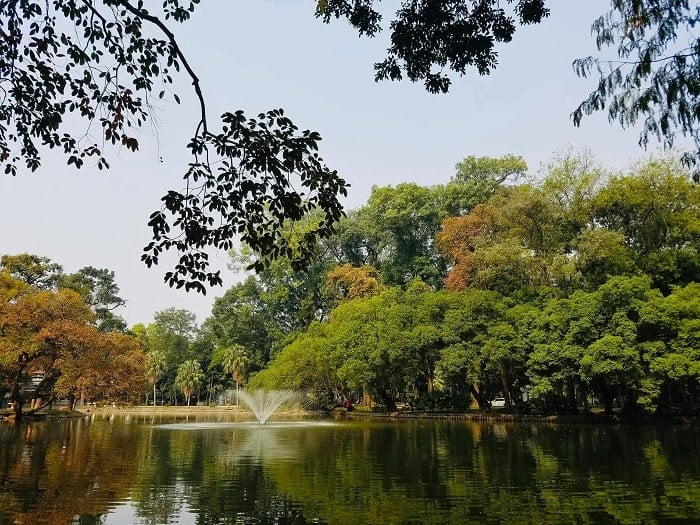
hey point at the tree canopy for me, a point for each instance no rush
(251, 177)
(576, 288)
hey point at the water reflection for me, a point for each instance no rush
(148, 471)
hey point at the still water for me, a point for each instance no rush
(140, 470)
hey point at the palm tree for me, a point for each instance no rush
(234, 361)
(155, 368)
(189, 378)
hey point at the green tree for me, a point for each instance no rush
(657, 209)
(189, 378)
(234, 360)
(589, 341)
(245, 316)
(465, 361)
(669, 335)
(101, 292)
(482, 176)
(655, 77)
(172, 333)
(34, 270)
(156, 365)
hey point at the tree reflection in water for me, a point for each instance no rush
(118, 471)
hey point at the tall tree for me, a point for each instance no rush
(657, 209)
(34, 270)
(101, 292)
(189, 378)
(234, 360)
(156, 365)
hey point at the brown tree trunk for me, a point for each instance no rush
(16, 398)
(504, 383)
(478, 396)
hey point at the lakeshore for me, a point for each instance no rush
(231, 412)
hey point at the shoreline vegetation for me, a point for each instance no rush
(226, 412)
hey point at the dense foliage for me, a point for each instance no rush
(574, 290)
(577, 289)
(250, 178)
(59, 337)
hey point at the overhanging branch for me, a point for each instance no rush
(144, 15)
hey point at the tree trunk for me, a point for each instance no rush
(504, 383)
(154, 394)
(608, 399)
(16, 398)
(478, 396)
(387, 399)
(571, 396)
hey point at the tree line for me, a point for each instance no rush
(576, 287)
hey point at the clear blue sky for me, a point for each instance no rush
(257, 55)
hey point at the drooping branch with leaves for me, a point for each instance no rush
(106, 62)
(655, 78)
(82, 75)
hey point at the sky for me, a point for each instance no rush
(258, 55)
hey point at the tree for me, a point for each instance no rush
(345, 283)
(156, 365)
(34, 270)
(189, 378)
(398, 224)
(100, 292)
(657, 209)
(428, 38)
(656, 77)
(172, 334)
(669, 345)
(38, 329)
(109, 366)
(484, 175)
(234, 360)
(123, 60)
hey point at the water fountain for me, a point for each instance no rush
(264, 402)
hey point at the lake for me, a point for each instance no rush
(120, 470)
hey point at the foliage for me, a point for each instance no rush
(189, 378)
(51, 335)
(168, 342)
(345, 282)
(234, 360)
(97, 287)
(656, 76)
(101, 292)
(577, 286)
(240, 180)
(428, 38)
(36, 271)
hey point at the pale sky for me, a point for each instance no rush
(257, 55)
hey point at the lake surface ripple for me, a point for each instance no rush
(113, 470)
